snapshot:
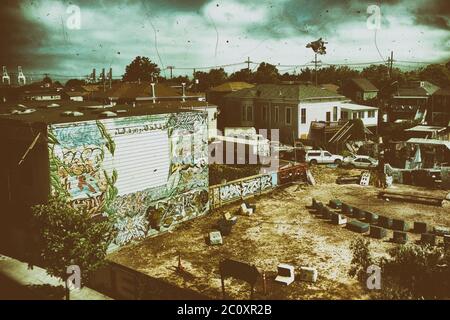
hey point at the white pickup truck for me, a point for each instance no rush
(322, 156)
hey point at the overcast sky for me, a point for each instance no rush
(36, 34)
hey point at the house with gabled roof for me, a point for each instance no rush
(292, 109)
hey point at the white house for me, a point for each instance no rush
(292, 109)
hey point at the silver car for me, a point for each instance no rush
(360, 162)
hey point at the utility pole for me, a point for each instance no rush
(391, 64)
(248, 63)
(171, 70)
(316, 62)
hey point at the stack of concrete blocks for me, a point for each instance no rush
(308, 274)
(378, 232)
(400, 237)
(215, 238)
(365, 179)
(428, 238)
(285, 274)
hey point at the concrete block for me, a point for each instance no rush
(371, 217)
(446, 241)
(335, 204)
(400, 237)
(285, 274)
(308, 274)
(358, 213)
(245, 210)
(385, 222)
(400, 225)
(358, 226)
(428, 238)
(378, 232)
(441, 231)
(347, 209)
(338, 219)
(420, 227)
(215, 238)
(326, 212)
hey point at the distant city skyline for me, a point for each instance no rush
(43, 36)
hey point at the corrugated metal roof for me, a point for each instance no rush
(429, 141)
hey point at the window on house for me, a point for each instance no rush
(328, 117)
(277, 114)
(355, 115)
(249, 113)
(303, 115)
(288, 115)
(361, 115)
(264, 113)
(335, 113)
(371, 114)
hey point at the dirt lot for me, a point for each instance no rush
(283, 230)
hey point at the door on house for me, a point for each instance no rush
(328, 116)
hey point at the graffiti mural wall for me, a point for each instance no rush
(147, 172)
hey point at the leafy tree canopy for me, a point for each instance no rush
(141, 68)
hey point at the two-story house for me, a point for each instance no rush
(440, 107)
(291, 109)
(412, 101)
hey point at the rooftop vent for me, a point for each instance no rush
(26, 111)
(72, 113)
(108, 114)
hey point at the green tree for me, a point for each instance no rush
(69, 236)
(436, 74)
(210, 79)
(141, 68)
(361, 260)
(266, 73)
(245, 75)
(74, 83)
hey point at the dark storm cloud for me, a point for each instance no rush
(314, 18)
(19, 37)
(434, 14)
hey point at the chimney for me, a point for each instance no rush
(184, 91)
(94, 75)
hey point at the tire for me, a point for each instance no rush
(337, 161)
(313, 162)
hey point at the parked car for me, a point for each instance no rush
(322, 156)
(360, 162)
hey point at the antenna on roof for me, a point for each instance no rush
(21, 77)
(5, 76)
